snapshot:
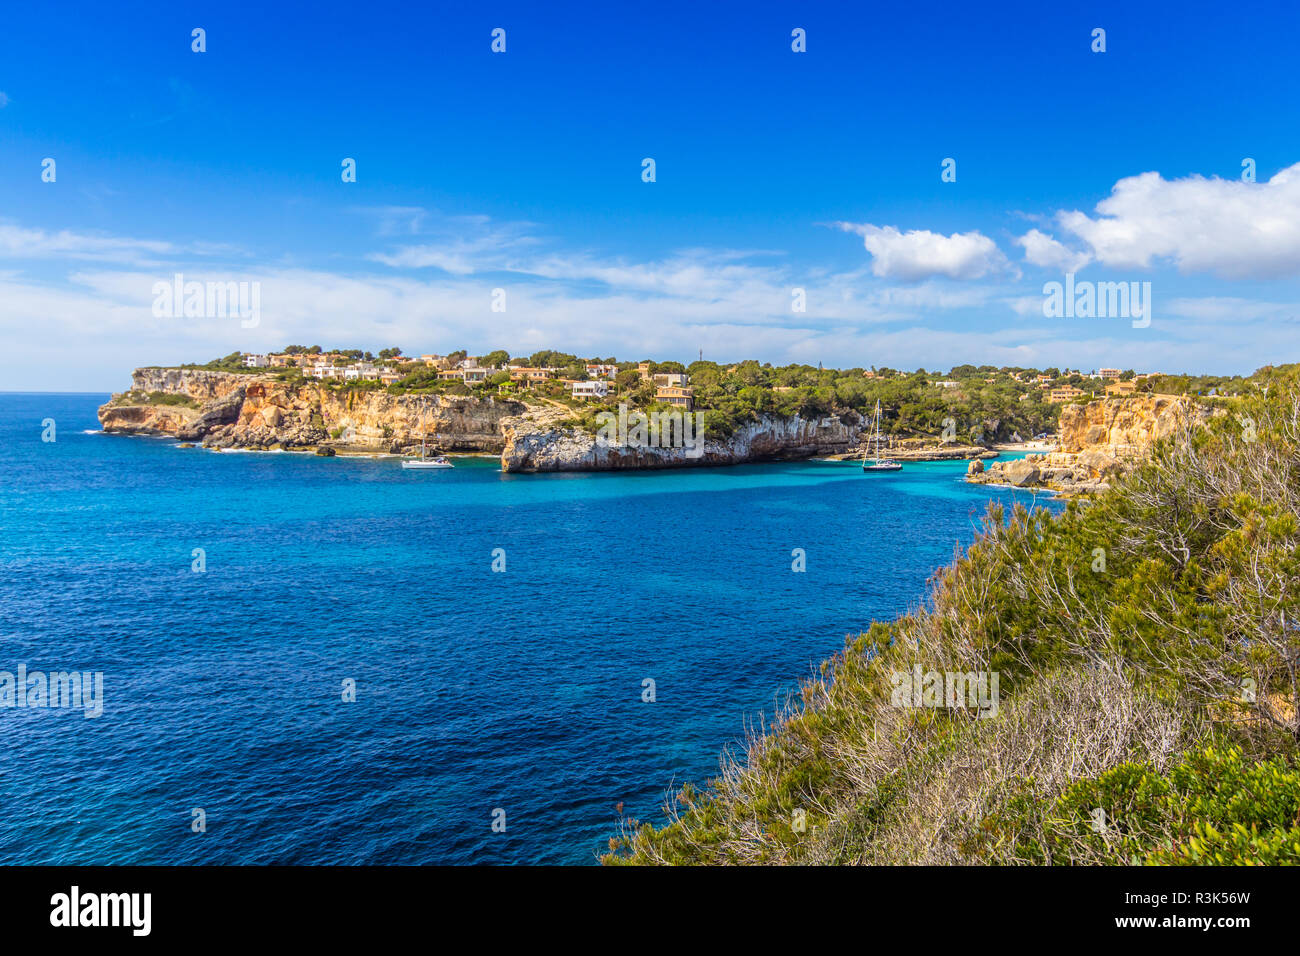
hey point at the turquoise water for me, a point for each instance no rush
(476, 690)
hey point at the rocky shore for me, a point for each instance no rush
(1066, 474)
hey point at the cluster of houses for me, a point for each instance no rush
(1068, 393)
(671, 387)
(1065, 393)
(325, 365)
(1111, 376)
(1116, 387)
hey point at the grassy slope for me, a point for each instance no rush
(1148, 651)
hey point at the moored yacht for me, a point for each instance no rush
(424, 461)
(877, 463)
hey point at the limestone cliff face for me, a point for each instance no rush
(196, 383)
(230, 410)
(1099, 442)
(771, 437)
(1126, 427)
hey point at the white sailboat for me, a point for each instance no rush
(877, 463)
(424, 461)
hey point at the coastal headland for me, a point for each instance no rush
(549, 419)
(224, 410)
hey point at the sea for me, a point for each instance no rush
(315, 660)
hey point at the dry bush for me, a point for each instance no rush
(1072, 724)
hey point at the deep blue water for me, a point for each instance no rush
(476, 690)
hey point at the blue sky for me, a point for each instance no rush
(774, 170)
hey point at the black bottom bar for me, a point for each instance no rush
(336, 905)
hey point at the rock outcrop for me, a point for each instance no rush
(771, 437)
(1099, 442)
(1126, 428)
(1055, 471)
(216, 413)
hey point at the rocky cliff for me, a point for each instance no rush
(771, 437)
(1126, 428)
(1099, 441)
(231, 410)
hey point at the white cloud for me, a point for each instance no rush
(460, 245)
(394, 220)
(921, 254)
(1228, 228)
(1042, 250)
(458, 256)
(1026, 305)
(720, 284)
(4, 99)
(17, 242)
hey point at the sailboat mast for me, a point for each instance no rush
(877, 429)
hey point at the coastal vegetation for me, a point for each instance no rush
(974, 403)
(138, 397)
(980, 403)
(1147, 652)
(234, 362)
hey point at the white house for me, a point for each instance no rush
(252, 360)
(591, 389)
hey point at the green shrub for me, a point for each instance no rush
(1212, 808)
